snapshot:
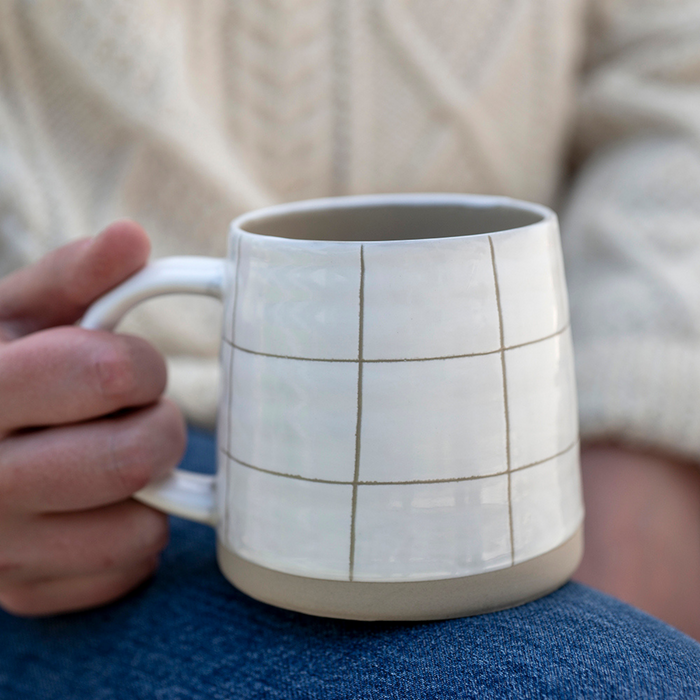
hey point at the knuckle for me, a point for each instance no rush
(154, 532)
(105, 562)
(131, 462)
(8, 566)
(10, 480)
(19, 600)
(173, 430)
(114, 370)
(148, 445)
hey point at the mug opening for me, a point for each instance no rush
(388, 222)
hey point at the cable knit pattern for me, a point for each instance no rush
(281, 93)
(184, 114)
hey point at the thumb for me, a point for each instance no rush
(58, 289)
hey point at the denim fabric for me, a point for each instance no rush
(189, 634)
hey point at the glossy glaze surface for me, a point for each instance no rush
(397, 410)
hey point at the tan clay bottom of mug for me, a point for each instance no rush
(408, 600)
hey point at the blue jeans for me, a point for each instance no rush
(189, 635)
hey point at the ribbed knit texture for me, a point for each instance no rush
(184, 114)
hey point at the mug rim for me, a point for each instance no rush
(404, 199)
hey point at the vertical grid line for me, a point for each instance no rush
(229, 427)
(358, 426)
(505, 398)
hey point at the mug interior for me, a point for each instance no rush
(390, 222)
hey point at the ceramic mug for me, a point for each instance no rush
(398, 434)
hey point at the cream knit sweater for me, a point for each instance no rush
(185, 113)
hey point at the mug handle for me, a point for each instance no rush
(182, 493)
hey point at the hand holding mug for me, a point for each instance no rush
(397, 433)
(82, 427)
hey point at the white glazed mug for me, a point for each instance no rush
(398, 434)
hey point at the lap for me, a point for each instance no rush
(189, 634)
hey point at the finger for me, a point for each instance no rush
(77, 467)
(68, 374)
(80, 544)
(58, 289)
(74, 593)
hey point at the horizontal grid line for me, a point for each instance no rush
(547, 459)
(563, 329)
(400, 359)
(298, 477)
(286, 357)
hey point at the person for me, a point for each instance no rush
(183, 117)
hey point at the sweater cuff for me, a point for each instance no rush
(642, 391)
(193, 383)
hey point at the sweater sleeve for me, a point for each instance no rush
(632, 227)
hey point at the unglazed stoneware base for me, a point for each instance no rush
(410, 600)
